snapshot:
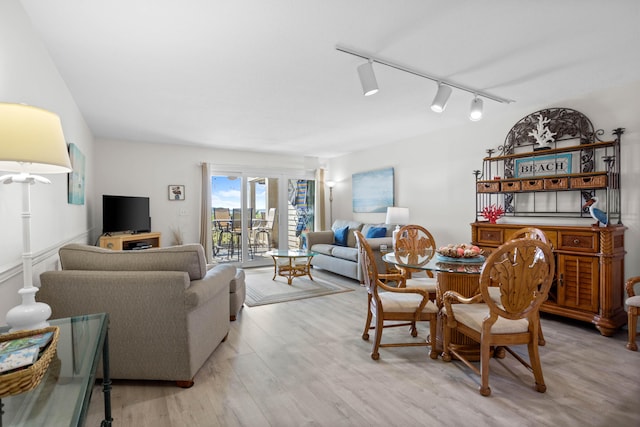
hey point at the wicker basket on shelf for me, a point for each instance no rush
(21, 380)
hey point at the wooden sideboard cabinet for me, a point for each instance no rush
(589, 278)
(124, 242)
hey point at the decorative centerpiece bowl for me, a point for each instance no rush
(460, 252)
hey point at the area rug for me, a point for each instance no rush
(262, 290)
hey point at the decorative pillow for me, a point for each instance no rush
(376, 232)
(341, 235)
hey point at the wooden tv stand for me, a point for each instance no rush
(126, 241)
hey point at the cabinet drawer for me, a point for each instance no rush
(488, 187)
(532, 184)
(598, 181)
(508, 186)
(556, 183)
(551, 235)
(490, 236)
(578, 241)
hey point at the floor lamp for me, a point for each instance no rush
(31, 142)
(331, 184)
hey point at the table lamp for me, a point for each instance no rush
(31, 142)
(397, 216)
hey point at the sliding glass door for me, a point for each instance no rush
(256, 211)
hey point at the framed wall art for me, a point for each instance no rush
(372, 191)
(556, 164)
(176, 192)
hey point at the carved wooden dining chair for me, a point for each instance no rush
(387, 303)
(633, 310)
(533, 233)
(416, 246)
(522, 269)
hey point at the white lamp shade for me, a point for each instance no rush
(396, 215)
(31, 141)
(368, 79)
(476, 110)
(442, 96)
(331, 184)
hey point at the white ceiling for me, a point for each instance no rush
(265, 75)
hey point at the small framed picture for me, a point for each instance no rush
(176, 192)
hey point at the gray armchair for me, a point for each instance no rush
(167, 312)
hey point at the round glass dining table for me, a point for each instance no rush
(461, 276)
(437, 264)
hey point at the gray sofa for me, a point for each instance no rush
(343, 260)
(167, 312)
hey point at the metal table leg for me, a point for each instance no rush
(106, 383)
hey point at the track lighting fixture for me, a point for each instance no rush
(476, 109)
(368, 78)
(370, 86)
(442, 96)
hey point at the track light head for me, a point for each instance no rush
(368, 78)
(442, 96)
(476, 109)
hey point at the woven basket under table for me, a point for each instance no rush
(16, 382)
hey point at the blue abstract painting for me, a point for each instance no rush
(372, 191)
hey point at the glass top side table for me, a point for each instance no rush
(62, 397)
(291, 268)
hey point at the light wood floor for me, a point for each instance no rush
(304, 363)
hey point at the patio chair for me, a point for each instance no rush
(265, 229)
(222, 231)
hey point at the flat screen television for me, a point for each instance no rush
(125, 214)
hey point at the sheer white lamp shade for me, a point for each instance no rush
(397, 216)
(368, 78)
(476, 109)
(31, 141)
(442, 96)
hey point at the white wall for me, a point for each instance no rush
(142, 169)
(27, 75)
(434, 172)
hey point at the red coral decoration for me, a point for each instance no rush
(492, 213)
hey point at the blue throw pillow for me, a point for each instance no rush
(376, 232)
(341, 235)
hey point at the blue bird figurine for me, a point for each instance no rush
(596, 213)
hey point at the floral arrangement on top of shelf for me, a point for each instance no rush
(492, 213)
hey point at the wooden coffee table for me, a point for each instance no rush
(293, 267)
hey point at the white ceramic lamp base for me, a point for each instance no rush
(395, 236)
(30, 314)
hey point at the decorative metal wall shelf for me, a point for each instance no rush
(552, 161)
